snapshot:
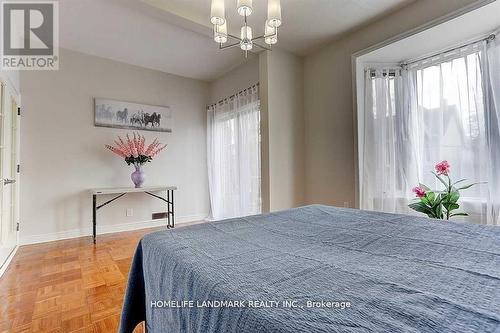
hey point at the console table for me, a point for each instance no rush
(121, 191)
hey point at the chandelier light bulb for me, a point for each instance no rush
(245, 7)
(246, 46)
(270, 35)
(246, 38)
(274, 13)
(220, 33)
(217, 13)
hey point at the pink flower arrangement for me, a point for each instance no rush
(442, 168)
(133, 149)
(419, 191)
(442, 204)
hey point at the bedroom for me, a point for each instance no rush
(282, 184)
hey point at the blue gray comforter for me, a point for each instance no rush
(317, 269)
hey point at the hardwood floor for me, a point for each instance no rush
(68, 286)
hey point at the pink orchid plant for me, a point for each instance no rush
(440, 204)
(134, 151)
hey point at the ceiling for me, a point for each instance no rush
(174, 36)
(468, 27)
(307, 24)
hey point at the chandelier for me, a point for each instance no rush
(246, 41)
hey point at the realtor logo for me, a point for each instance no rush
(30, 35)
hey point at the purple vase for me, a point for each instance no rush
(138, 176)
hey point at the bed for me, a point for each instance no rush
(317, 269)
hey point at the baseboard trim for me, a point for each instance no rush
(105, 229)
(6, 264)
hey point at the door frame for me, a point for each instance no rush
(15, 100)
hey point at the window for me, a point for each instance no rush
(451, 121)
(441, 108)
(234, 156)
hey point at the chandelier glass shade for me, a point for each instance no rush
(220, 33)
(246, 41)
(217, 14)
(246, 38)
(245, 7)
(274, 13)
(271, 34)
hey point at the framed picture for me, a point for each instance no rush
(119, 114)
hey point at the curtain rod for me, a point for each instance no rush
(489, 38)
(389, 74)
(234, 95)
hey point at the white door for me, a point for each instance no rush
(9, 147)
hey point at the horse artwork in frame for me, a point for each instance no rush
(119, 114)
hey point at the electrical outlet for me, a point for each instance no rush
(130, 212)
(346, 204)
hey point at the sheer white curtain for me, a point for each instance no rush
(444, 108)
(389, 169)
(451, 111)
(233, 147)
(492, 88)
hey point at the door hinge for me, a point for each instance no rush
(18, 168)
(17, 226)
(18, 111)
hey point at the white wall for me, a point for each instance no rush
(307, 123)
(241, 77)
(63, 155)
(283, 126)
(330, 141)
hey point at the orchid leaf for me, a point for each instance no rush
(459, 181)
(450, 197)
(452, 206)
(440, 179)
(466, 186)
(470, 185)
(441, 199)
(438, 212)
(420, 207)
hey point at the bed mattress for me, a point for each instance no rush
(317, 269)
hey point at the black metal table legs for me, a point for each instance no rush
(170, 206)
(170, 209)
(94, 215)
